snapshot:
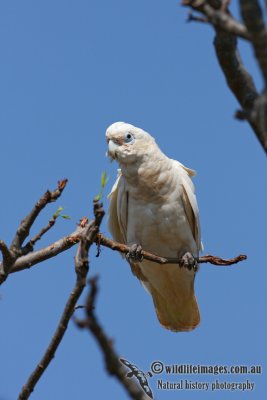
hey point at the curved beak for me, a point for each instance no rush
(112, 147)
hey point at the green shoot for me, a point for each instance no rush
(104, 180)
(58, 214)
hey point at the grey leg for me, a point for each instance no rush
(135, 253)
(188, 261)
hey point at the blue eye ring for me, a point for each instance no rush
(128, 138)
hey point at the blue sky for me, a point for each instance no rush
(68, 70)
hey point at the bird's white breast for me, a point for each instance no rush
(160, 226)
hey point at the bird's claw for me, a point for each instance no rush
(188, 261)
(135, 253)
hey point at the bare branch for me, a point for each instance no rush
(37, 237)
(122, 248)
(239, 81)
(56, 340)
(208, 258)
(65, 243)
(8, 260)
(25, 226)
(219, 18)
(16, 250)
(112, 363)
(61, 245)
(81, 268)
(30, 245)
(237, 77)
(253, 18)
(223, 20)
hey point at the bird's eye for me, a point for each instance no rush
(128, 137)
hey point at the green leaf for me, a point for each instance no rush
(65, 216)
(104, 179)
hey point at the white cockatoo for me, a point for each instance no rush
(152, 204)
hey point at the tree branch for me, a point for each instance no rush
(253, 18)
(16, 250)
(112, 363)
(81, 268)
(38, 256)
(241, 83)
(65, 243)
(219, 18)
(122, 248)
(25, 226)
(43, 231)
(237, 77)
(8, 258)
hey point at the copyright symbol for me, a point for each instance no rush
(157, 367)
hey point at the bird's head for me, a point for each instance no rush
(127, 143)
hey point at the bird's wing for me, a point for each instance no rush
(189, 201)
(118, 210)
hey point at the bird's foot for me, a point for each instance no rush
(188, 261)
(135, 253)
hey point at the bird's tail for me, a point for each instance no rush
(172, 290)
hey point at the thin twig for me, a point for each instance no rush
(25, 226)
(50, 224)
(218, 17)
(242, 115)
(196, 18)
(30, 245)
(16, 250)
(81, 268)
(112, 363)
(208, 258)
(122, 248)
